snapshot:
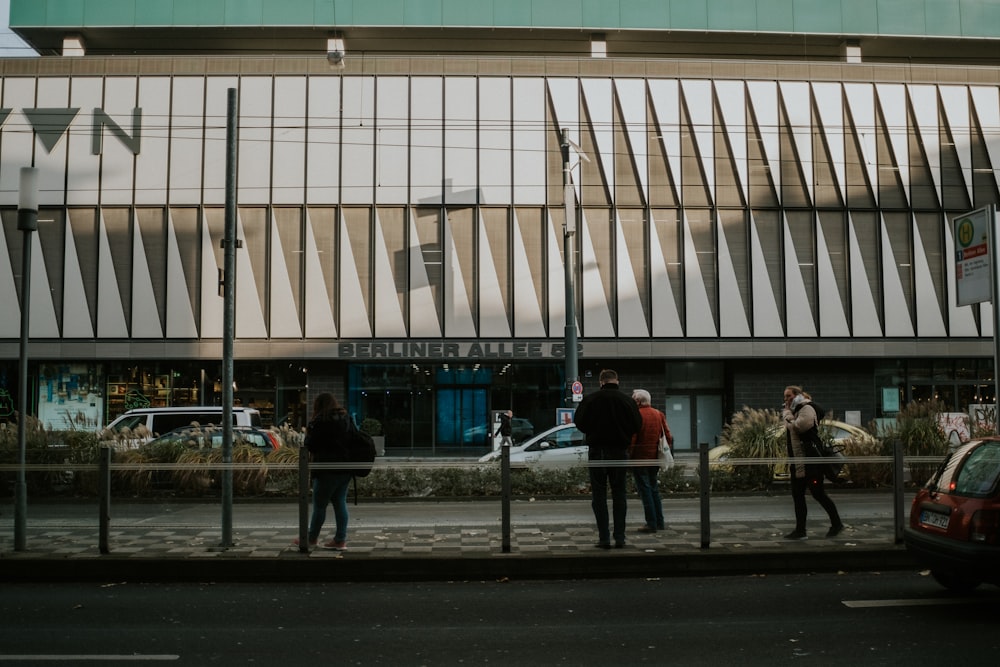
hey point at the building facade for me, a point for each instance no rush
(759, 199)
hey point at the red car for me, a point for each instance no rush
(954, 525)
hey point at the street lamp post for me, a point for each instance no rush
(27, 222)
(569, 229)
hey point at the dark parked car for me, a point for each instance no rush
(954, 527)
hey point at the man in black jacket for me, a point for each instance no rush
(608, 419)
(504, 429)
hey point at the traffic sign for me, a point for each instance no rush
(577, 387)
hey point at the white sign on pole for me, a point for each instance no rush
(973, 257)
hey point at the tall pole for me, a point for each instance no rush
(993, 236)
(27, 222)
(229, 319)
(569, 229)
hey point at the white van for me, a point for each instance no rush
(157, 421)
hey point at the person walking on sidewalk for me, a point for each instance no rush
(799, 416)
(608, 418)
(504, 430)
(644, 452)
(326, 440)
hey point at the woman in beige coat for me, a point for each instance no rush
(799, 416)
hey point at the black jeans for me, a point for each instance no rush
(601, 477)
(815, 486)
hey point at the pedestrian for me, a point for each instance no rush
(503, 430)
(326, 440)
(608, 418)
(799, 416)
(644, 455)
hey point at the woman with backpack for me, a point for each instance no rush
(800, 417)
(326, 440)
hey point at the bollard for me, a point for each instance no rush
(303, 499)
(897, 488)
(104, 499)
(705, 480)
(505, 497)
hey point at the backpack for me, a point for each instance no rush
(360, 450)
(814, 446)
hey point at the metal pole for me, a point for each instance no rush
(569, 229)
(505, 496)
(229, 320)
(27, 222)
(706, 490)
(303, 499)
(104, 500)
(897, 488)
(995, 284)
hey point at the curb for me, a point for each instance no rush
(496, 567)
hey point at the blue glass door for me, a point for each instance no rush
(461, 415)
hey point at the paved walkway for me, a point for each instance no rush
(440, 540)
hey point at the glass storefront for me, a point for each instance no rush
(446, 407)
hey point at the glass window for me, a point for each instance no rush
(979, 474)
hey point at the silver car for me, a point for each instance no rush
(560, 444)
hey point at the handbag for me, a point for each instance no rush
(663, 453)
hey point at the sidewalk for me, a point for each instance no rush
(426, 540)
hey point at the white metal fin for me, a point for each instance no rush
(955, 101)
(284, 307)
(864, 314)
(666, 319)
(145, 315)
(733, 321)
(424, 319)
(861, 103)
(801, 321)
(698, 96)
(898, 321)
(389, 321)
(929, 319)
(597, 321)
(110, 312)
(632, 95)
(318, 300)
(832, 317)
(631, 314)
(77, 322)
(892, 100)
(766, 315)
(699, 319)
(764, 98)
(733, 103)
(527, 306)
(493, 310)
(665, 97)
(798, 109)
(924, 100)
(830, 103)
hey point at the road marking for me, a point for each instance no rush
(862, 604)
(103, 658)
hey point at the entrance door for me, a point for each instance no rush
(694, 418)
(462, 417)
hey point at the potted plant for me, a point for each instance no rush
(373, 427)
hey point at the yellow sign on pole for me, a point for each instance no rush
(974, 251)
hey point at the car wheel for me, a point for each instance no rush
(955, 582)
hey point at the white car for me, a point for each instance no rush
(562, 444)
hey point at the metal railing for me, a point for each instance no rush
(105, 467)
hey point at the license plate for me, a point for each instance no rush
(928, 518)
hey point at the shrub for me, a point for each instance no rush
(283, 481)
(751, 434)
(918, 429)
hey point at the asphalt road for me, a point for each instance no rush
(872, 618)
